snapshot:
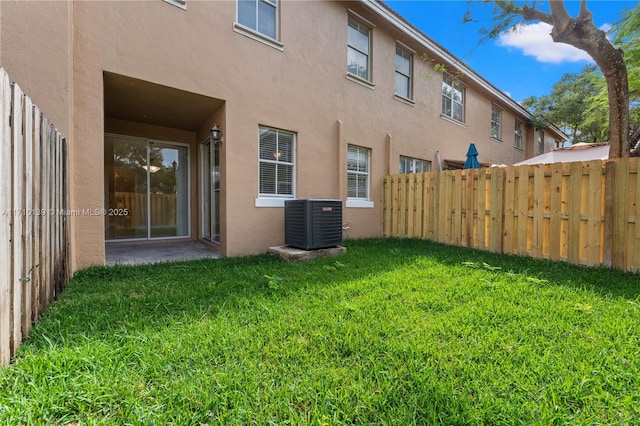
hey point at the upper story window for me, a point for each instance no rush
(359, 46)
(540, 142)
(414, 165)
(260, 16)
(452, 99)
(277, 163)
(403, 73)
(496, 119)
(517, 141)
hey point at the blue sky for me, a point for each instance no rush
(522, 63)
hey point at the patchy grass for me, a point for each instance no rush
(394, 332)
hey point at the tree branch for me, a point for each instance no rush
(559, 10)
(561, 18)
(533, 14)
(584, 14)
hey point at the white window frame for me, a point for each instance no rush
(413, 162)
(517, 138)
(360, 24)
(361, 202)
(254, 33)
(405, 54)
(455, 85)
(277, 200)
(496, 122)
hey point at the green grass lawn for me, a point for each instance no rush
(393, 332)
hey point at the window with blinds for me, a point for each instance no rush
(358, 159)
(260, 16)
(277, 163)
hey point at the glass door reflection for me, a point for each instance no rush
(126, 181)
(211, 191)
(168, 190)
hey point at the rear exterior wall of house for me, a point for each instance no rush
(346, 130)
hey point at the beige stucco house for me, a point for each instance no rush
(313, 99)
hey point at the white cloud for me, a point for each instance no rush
(535, 40)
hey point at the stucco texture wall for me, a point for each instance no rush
(301, 88)
(36, 52)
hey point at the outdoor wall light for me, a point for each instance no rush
(216, 134)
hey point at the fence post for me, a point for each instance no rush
(497, 212)
(417, 205)
(438, 222)
(556, 198)
(385, 206)
(468, 207)
(482, 210)
(537, 205)
(609, 207)
(574, 199)
(402, 205)
(620, 214)
(446, 202)
(394, 206)
(428, 208)
(508, 229)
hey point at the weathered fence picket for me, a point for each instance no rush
(5, 223)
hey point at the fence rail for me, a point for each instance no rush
(584, 213)
(33, 225)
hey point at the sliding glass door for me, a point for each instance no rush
(168, 190)
(146, 189)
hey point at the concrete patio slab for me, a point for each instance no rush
(155, 252)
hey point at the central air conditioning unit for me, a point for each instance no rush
(312, 224)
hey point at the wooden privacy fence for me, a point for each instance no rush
(583, 213)
(33, 215)
(163, 207)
